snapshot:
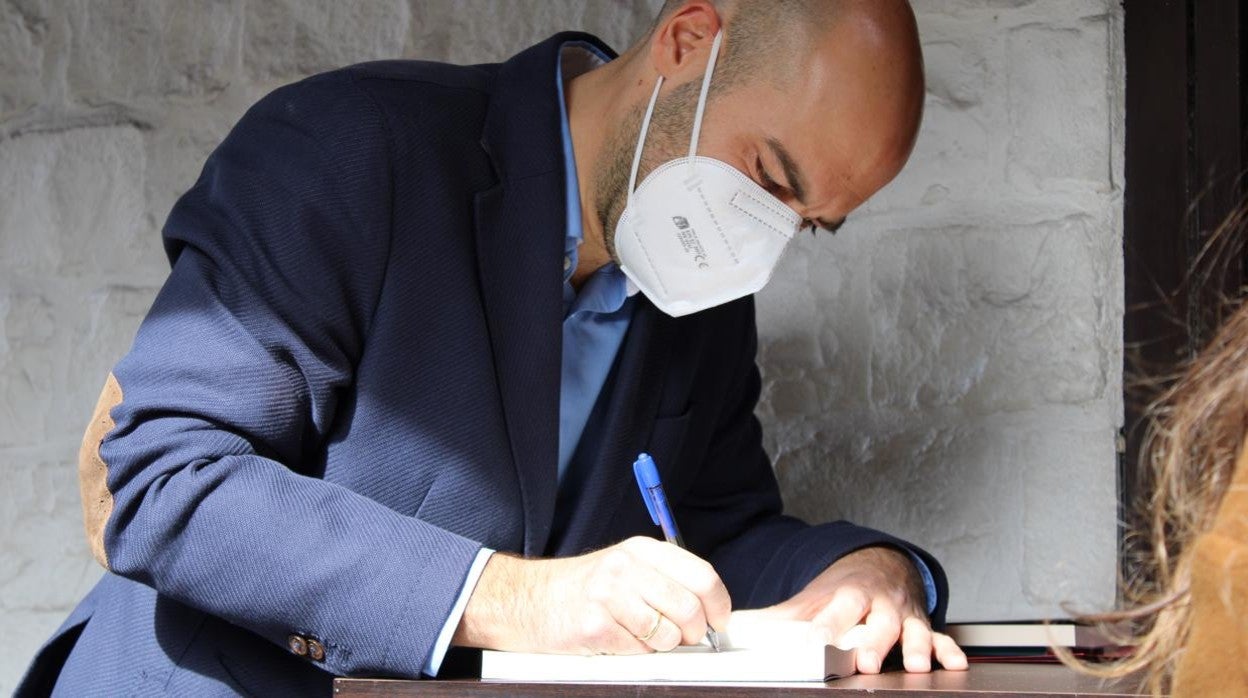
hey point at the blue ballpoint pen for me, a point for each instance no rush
(656, 503)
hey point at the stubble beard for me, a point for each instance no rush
(668, 138)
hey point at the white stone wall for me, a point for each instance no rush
(949, 367)
(946, 368)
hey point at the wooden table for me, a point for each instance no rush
(981, 681)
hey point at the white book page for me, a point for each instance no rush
(753, 648)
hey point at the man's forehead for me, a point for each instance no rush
(819, 157)
(839, 132)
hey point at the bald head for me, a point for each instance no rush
(772, 36)
(817, 101)
(837, 84)
(869, 55)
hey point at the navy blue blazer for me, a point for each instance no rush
(350, 383)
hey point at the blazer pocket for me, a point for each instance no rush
(667, 437)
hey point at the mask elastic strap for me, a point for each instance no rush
(706, 85)
(641, 138)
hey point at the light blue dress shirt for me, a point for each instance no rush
(595, 321)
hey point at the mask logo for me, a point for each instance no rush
(687, 236)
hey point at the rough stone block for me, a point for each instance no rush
(989, 320)
(965, 8)
(288, 39)
(71, 203)
(987, 497)
(29, 367)
(126, 50)
(957, 72)
(953, 139)
(469, 35)
(23, 34)
(1058, 89)
(44, 516)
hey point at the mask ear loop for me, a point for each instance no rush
(706, 86)
(697, 118)
(641, 139)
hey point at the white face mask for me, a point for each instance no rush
(698, 233)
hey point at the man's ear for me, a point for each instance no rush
(681, 45)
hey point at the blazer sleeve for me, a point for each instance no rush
(733, 514)
(209, 487)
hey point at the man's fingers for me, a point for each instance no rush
(948, 653)
(883, 629)
(847, 608)
(657, 631)
(652, 607)
(642, 623)
(692, 573)
(681, 607)
(604, 631)
(916, 645)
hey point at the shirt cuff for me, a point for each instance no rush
(929, 583)
(443, 643)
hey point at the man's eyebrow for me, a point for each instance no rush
(798, 183)
(794, 176)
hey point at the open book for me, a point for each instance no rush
(752, 649)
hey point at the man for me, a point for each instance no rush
(387, 401)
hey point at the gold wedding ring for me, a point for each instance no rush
(658, 620)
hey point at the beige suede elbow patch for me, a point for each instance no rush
(97, 500)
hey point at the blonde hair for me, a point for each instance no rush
(1196, 430)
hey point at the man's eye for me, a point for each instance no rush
(763, 178)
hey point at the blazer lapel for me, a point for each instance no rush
(522, 302)
(520, 234)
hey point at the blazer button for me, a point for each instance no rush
(316, 651)
(298, 645)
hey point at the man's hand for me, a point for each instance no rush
(880, 589)
(637, 596)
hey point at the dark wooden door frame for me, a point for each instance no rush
(1185, 152)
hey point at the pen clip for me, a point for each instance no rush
(647, 478)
